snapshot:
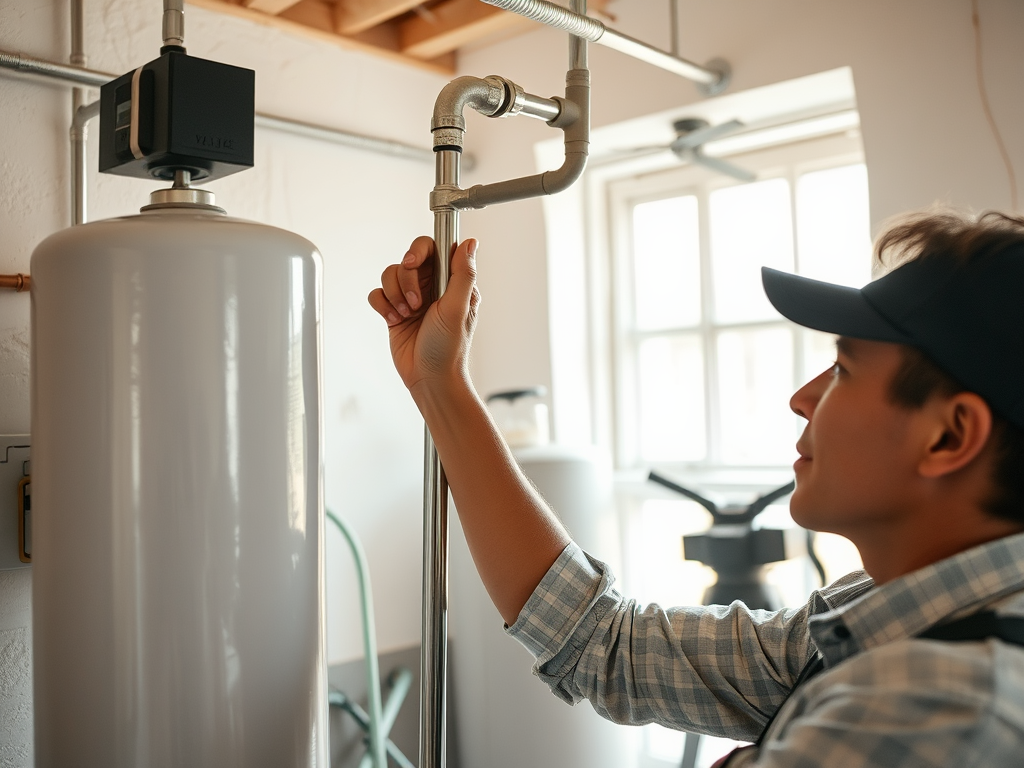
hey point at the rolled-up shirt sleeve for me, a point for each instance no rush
(718, 669)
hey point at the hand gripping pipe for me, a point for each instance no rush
(494, 97)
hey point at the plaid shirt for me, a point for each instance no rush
(884, 698)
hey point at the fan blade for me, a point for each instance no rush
(626, 153)
(704, 135)
(716, 164)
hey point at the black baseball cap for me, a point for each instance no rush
(967, 316)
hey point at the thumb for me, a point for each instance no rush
(462, 278)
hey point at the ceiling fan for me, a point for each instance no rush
(692, 133)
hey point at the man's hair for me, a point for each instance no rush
(944, 233)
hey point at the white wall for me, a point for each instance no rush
(361, 210)
(925, 135)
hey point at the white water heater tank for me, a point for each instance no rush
(178, 603)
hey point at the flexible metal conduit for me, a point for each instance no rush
(713, 78)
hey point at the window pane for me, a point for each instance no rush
(833, 225)
(671, 388)
(755, 370)
(666, 264)
(751, 227)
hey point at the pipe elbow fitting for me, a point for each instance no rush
(483, 94)
(564, 177)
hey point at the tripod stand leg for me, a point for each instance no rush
(691, 746)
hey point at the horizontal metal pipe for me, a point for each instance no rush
(18, 282)
(52, 70)
(595, 31)
(48, 70)
(345, 138)
(644, 52)
(544, 109)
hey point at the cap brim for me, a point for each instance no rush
(827, 307)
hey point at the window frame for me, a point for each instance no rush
(622, 193)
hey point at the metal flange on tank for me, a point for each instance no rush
(178, 543)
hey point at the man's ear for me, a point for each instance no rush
(960, 428)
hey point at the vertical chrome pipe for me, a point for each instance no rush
(78, 132)
(434, 653)
(578, 45)
(448, 128)
(174, 23)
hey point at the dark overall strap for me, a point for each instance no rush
(977, 626)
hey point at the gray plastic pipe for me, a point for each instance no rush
(713, 78)
(79, 164)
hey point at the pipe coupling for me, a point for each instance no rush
(448, 197)
(448, 138)
(174, 23)
(513, 96)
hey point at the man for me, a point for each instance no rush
(913, 449)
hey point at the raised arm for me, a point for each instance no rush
(512, 533)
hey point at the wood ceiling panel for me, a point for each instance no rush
(355, 16)
(453, 24)
(425, 33)
(272, 7)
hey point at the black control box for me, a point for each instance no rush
(178, 112)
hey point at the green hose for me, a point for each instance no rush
(373, 701)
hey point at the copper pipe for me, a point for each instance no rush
(18, 282)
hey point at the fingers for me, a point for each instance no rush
(405, 287)
(416, 272)
(383, 307)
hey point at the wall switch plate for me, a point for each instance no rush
(15, 506)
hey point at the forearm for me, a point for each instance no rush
(513, 535)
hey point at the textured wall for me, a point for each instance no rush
(15, 670)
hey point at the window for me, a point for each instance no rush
(703, 365)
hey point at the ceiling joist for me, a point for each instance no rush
(424, 33)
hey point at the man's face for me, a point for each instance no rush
(859, 451)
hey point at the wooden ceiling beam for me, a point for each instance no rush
(355, 16)
(315, 19)
(452, 24)
(273, 7)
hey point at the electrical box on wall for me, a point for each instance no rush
(178, 112)
(15, 502)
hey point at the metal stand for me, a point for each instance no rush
(738, 560)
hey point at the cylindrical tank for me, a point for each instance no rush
(177, 495)
(505, 716)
